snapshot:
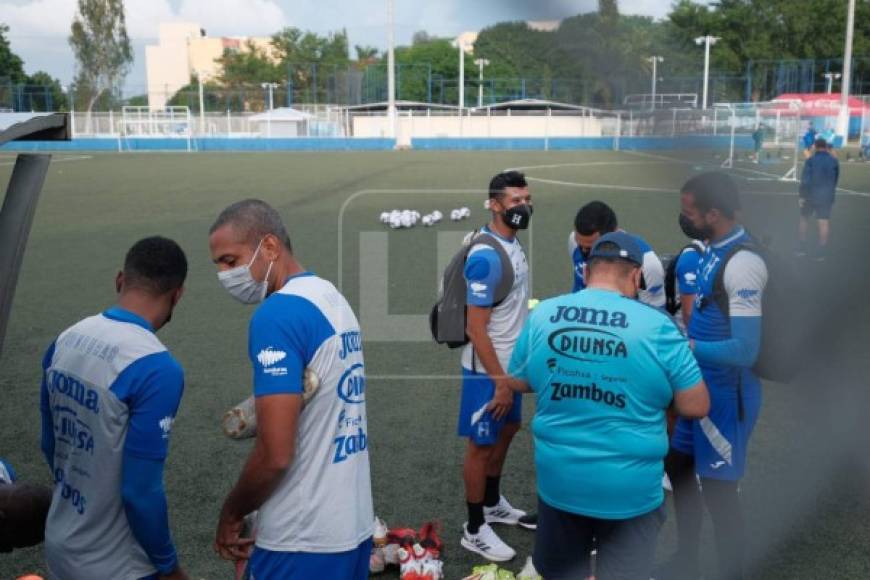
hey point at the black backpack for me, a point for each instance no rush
(783, 337)
(447, 319)
(672, 305)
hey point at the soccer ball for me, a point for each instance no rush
(455, 215)
(385, 217)
(465, 212)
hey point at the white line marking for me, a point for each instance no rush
(53, 161)
(586, 164)
(773, 176)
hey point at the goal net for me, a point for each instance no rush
(172, 125)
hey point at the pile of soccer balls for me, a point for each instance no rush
(417, 554)
(408, 218)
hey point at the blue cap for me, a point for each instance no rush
(629, 249)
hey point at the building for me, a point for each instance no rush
(184, 51)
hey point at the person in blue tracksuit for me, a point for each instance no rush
(818, 189)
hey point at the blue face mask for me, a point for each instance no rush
(240, 283)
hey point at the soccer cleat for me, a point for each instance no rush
(528, 521)
(240, 422)
(486, 543)
(502, 513)
(429, 539)
(380, 534)
(528, 572)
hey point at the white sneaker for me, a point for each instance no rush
(486, 543)
(502, 513)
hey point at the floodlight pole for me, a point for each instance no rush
(843, 120)
(461, 45)
(391, 67)
(201, 103)
(707, 41)
(829, 78)
(480, 62)
(655, 60)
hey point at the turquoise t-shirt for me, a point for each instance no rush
(604, 368)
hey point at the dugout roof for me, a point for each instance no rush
(34, 127)
(25, 185)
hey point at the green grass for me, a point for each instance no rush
(93, 209)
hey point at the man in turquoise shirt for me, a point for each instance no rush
(604, 368)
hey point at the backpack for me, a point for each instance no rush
(672, 304)
(782, 337)
(447, 319)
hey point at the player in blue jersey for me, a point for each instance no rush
(817, 193)
(726, 344)
(604, 368)
(110, 392)
(490, 413)
(308, 474)
(592, 221)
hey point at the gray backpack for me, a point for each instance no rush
(447, 319)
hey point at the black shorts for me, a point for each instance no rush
(822, 210)
(626, 548)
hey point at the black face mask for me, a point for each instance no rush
(518, 217)
(691, 230)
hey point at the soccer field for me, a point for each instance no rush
(806, 503)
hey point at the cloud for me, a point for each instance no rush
(39, 28)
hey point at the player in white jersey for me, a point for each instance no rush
(110, 392)
(308, 475)
(490, 412)
(592, 221)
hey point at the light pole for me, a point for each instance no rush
(461, 44)
(391, 68)
(201, 103)
(830, 77)
(654, 60)
(843, 120)
(707, 41)
(480, 62)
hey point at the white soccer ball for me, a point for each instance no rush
(385, 217)
(427, 220)
(486, 204)
(465, 212)
(455, 216)
(406, 220)
(395, 222)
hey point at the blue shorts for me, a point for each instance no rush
(820, 209)
(720, 441)
(475, 422)
(350, 565)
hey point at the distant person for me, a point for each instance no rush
(725, 334)
(599, 426)
(490, 412)
(110, 392)
(808, 140)
(758, 142)
(818, 190)
(592, 221)
(307, 476)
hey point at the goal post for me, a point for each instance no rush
(171, 123)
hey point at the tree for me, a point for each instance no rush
(366, 55)
(45, 93)
(101, 47)
(11, 65)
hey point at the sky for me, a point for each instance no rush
(39, 28)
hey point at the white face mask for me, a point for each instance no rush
(241, 284)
